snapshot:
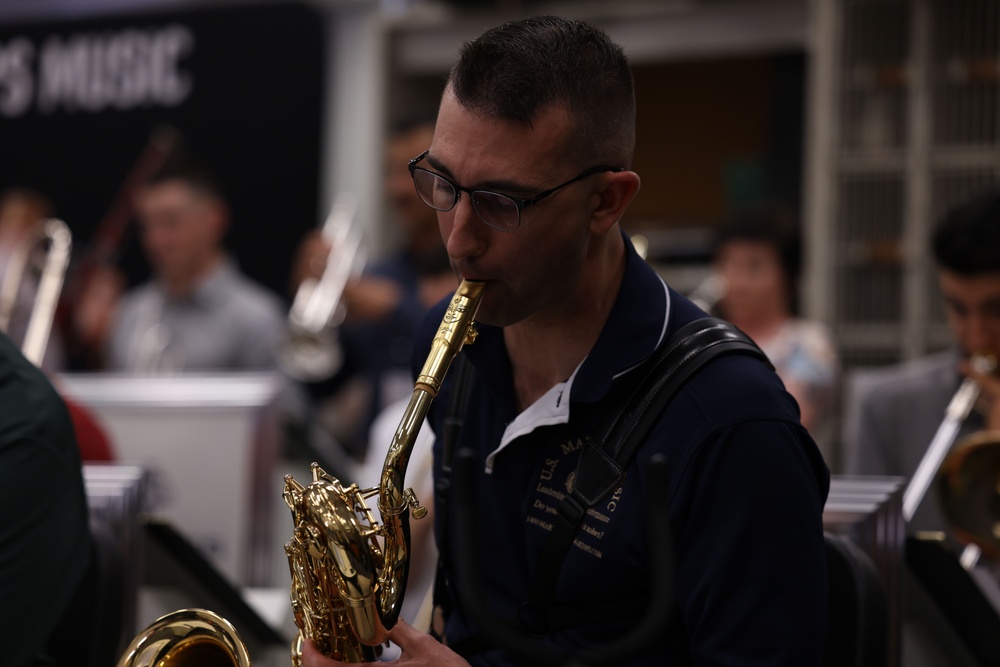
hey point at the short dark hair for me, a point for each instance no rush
(775, 227)
(187, 168)
(967, 239)
(517, 70)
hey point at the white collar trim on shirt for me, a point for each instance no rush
(553, 406)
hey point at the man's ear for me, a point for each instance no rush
(619, 188)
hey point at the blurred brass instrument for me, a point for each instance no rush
(187, 638)
(968, 481)
(709, 292)
(59, 240)
(348, 572)
(309, 350)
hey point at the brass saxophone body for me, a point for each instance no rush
(349, 572)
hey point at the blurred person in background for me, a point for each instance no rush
(759, 257)
(198, 312)
(382, 306)
(892, 414)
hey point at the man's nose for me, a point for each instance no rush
(468, 232)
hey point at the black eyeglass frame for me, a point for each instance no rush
(519, 203)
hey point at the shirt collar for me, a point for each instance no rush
(640, 315)
(217, 286)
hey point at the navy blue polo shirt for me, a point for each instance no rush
(746, 492)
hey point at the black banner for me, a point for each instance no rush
(79, 102)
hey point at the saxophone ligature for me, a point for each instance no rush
(349, 572)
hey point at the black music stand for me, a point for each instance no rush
(172, 561)
(964, 607)
(867, 511)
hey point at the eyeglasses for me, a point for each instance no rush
(499, 211)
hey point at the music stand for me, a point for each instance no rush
(962, 601)
(868, 512)
(173, 562)
(115, 497)
(209, 460)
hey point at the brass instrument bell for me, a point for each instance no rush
(968, 484)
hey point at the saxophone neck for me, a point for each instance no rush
(457, 329)
(391, 497)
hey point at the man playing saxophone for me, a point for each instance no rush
(529, 170)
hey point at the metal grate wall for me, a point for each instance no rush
(914, 129)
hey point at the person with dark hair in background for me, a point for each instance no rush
(893, 413)
(759, 257)
(383, 306)
(198, 312)
(44, 533)
(529, 172)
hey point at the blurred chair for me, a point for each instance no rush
(857, 634)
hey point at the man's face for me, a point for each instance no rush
(755, 281)
(537, 268)
(180, 228)
(972, 304)
(17, 216)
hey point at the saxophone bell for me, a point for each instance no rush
(186, 638)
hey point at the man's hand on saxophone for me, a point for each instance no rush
(418, 648)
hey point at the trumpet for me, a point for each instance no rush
(309, 350)
(56, 234)
(968, 479)
(958, 411)
(709, 292)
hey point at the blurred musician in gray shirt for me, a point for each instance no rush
(198, 312)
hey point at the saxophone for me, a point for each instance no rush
(348, 572)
